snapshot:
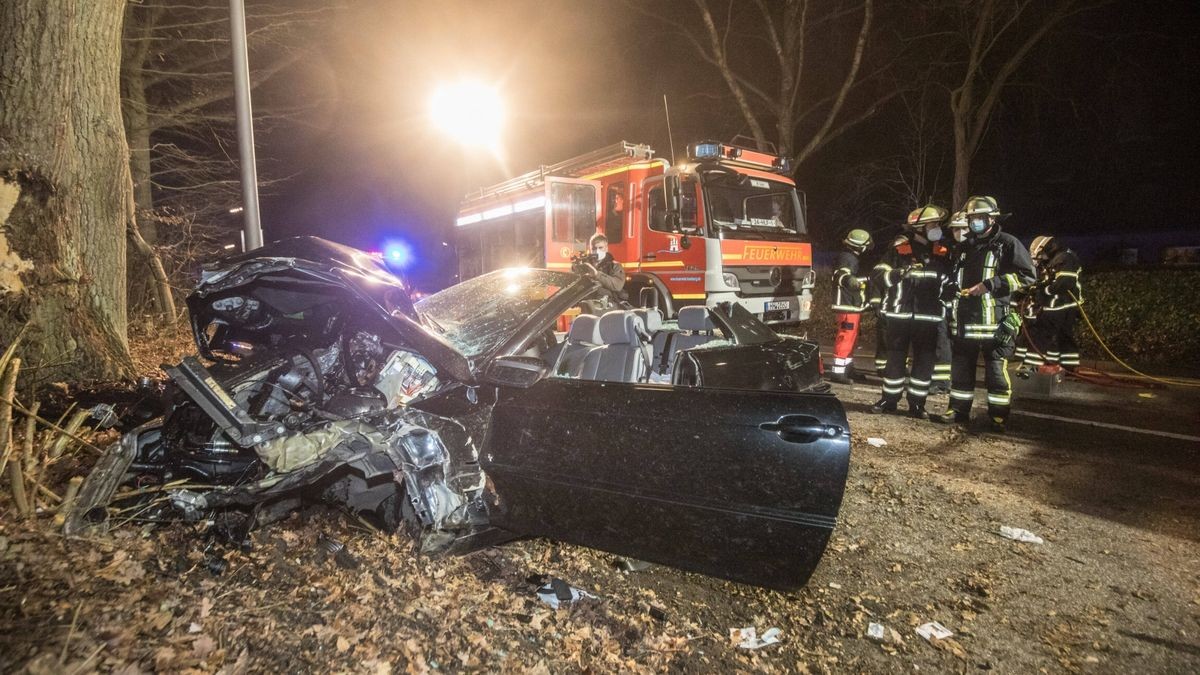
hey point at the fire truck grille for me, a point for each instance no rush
(762, 280)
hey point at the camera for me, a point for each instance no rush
(581, 260)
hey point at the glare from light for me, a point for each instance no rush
(470, 112)
(397, 254)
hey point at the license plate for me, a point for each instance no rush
(775, 305)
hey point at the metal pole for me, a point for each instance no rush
(252, 227)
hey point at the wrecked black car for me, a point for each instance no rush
(705, 443)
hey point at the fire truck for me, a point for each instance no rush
(726, 225)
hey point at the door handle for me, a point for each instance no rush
(650, 256)
(802, 429)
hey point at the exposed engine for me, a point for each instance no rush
(291, 392)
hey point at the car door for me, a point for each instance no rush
(743, 485)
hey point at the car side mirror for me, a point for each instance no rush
(685, 242)
(521, 372)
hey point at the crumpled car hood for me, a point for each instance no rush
(361, 279)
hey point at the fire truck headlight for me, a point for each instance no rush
(731, 280)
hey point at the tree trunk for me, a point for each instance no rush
(962, 174)
(64, 154)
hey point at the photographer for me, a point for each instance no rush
(601, 266)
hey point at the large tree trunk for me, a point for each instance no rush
(63, 152)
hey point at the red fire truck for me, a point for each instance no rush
(727, 225)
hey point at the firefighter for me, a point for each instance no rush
(849, 303)
(990, 265)
(914, 272)
(875, 293)
(957, 227)
(1057, 297)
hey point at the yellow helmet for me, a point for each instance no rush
(981, 205)
(929, 213)
(958, 220)
(859, 240)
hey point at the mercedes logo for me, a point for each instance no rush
(776, 276)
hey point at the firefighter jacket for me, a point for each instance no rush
(913, 274)
(1060, 281)
(1002, 264)
(849, 289)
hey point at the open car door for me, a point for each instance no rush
(743, 485)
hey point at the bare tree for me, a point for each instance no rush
(998, 36)
(64, 168)
(177, 104)
(793, 103)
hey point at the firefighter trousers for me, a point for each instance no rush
(881, 348)
(995, 370)
(920, 337)
(843, 344)
(942, 357)
(1054, 337)
(1021, 355)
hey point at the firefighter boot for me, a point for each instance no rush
(883, 405)
(951, 416)
(917, 411)
(997, 425)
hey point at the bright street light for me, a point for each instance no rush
(470, 112)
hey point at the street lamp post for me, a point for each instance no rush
(251, 225)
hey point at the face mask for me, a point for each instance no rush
(600, 252)
(959, 233)
(934, 233)
(978, 225)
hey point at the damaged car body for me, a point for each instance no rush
(466, 420)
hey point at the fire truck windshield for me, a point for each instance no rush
(744, 207)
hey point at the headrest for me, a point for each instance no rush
(618, 327)
(585, 328)
(651, 318)
(695, 318)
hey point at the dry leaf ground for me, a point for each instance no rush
(1115, 588)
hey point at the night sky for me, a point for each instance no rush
(1096, 137)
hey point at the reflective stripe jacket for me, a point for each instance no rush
(914, 274)
(1002, 264)
(848, 288)
(1062, 281)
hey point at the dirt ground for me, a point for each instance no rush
(1115, 587)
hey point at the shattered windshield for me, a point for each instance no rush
(478, 315)
(743, 207)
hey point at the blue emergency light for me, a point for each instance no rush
(705, 150)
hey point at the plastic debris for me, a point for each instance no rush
(105, 416)
(1017, 534)
(881, 633)
(876, 442)
(558, 593)
(748, 638)
(1146, 394)
(328, 546)
(934, 631)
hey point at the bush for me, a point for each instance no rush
(1148, 317)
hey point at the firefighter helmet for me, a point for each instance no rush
(957, 221)
(1043, 247)
(858, 240)
(925, 215)
(981, 205)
